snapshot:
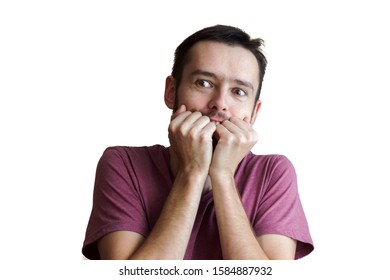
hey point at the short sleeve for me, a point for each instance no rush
(280, 210)
(117, 203)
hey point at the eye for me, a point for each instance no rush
(203, 83)
(239, 92)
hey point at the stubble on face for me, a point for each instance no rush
(212, 54)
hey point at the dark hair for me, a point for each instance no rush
(224, 34)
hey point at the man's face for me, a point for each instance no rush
(220, 81)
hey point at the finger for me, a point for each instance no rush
(243, 128)
(181, 109)
(202, 121)
(209, 129)
(192, 118)
(242, 124)
(222, 130)
(199, 125)
(188, 121)
(232, 126)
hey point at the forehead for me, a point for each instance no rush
(233, 62)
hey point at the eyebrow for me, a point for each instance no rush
(213, 75)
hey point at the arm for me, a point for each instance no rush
(169, 237)
(237, 238)
(238, 241)
(191, 149)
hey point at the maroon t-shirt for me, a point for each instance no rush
(132, 184)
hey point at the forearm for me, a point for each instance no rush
(170, 235)
(236, 234)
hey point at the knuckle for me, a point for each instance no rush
(230, 139)
(192, 133)
(241, 139)
(181, 131)
(204, 136)
(171, 128)
(255, 137)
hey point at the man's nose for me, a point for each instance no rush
(218, 100)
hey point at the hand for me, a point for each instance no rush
(190, 135)
(236, 138)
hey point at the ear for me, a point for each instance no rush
(255, 111)
(170, 92)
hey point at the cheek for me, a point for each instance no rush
(243, 113)
(193, 102)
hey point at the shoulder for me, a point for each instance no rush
(134, 149)
(269, 163)
(124, 153)
(136, 161)
(280, 164)
(270, 171)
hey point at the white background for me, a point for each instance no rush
(78, 76)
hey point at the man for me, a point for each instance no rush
(206, 196)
